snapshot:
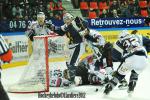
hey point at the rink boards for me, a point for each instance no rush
(19, 43)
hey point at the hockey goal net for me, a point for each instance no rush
(36, 76)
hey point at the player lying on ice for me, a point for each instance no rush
(133, 53)
(5, 57)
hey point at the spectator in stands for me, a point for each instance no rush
(3, 24)
(34, 12)
(49, 12)
(114, 8)
(115, 14)
(27, 11)
(17, 12)
(57, 4)
(133, 9)
(41, 8)
(115, 5)
(14, 11)
(104, 14)
(76, 3)
(148, 8)
(58, 15)
(1, 7)
(7, 10)
(124, 10)
(147, 21)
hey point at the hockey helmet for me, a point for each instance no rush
(41, 18)
(123, 35)
(67, 16)
(41, 14)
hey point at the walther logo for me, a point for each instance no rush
(18, 47)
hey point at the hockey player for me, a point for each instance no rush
(5, 56)
(117, 51)
(75, 29)
(133, 54)
(39, 27)
(91, 69)
(102, 52)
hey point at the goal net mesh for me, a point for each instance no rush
(36, 76)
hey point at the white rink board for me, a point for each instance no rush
(19, 46)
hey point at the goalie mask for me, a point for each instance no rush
(123, 35)
(41, 18)
(67, 18)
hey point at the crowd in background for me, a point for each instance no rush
(27, 9)
(115, 8)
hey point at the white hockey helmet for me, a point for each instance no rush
(41, 14)
(67, 16)
(41, 18)
(123, 35)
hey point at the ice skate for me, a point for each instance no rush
(107, 90)
(123, 84)
(131, 87)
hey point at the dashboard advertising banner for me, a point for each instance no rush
(113, 22)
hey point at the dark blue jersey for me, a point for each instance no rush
(117, 51)
(72, 30)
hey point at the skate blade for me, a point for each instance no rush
(130, 93)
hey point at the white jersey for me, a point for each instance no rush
(133, 44)
(100, 41)
(136, 56)
(98, 36)
(38, 29)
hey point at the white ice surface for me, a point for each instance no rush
(142, 90)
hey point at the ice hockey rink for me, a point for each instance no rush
(10, 76)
